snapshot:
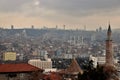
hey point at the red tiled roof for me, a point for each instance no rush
(22, 67)
(73, 68)
(53, 76)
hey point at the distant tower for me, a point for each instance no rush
(109, 53)
(12, 27)
(70, 40)
(24, 34)
(100, 29)
(82, 40)
(85, 28)
(32, 26)
(64, 27)
(56, 26)
(74, 40)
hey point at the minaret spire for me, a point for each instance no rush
(109, 28)
(109, 32)
(109, 51)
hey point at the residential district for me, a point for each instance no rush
(59, 54)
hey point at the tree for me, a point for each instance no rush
(100, 73)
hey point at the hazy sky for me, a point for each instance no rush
(72, 13)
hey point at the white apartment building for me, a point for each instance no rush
(41, 64)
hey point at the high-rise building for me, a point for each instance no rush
(109, 51)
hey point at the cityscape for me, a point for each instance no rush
(57, 54)
(59, 40)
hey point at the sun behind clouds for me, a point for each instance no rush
(36, 2)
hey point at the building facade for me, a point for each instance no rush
(41, 64)
(9, 56)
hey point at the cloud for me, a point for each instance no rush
(60, 7)
(59, 11)
(11, 5)
(81, 7)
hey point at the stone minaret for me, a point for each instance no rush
(109, 51)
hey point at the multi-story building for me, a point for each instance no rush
(46, 64)
(9, 56)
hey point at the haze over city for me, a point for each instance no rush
(72, 13)
(59, 40)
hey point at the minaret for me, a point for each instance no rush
(109, 51)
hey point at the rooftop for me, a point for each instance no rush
(73, 68)
(22, 67)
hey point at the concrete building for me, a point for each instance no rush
(94, 59)
(9, 56)
(41, 64)
(68, 56)
(100, 60)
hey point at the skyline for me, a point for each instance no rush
(75, 14)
